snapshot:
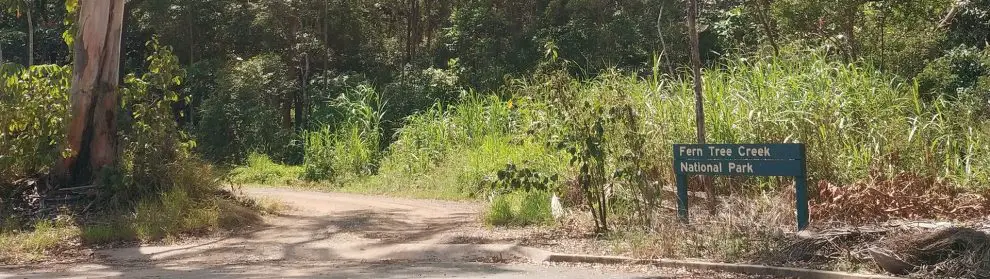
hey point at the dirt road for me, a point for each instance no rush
(337, 236)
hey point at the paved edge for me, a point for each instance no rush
(699, 265)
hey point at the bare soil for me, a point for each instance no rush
(354, 236)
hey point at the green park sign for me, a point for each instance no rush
(745, 160)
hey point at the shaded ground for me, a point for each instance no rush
(319, 269)
(344, 236)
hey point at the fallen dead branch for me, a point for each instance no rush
(919, 249)
(829, 246)
(953, 252)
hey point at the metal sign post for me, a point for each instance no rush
(742, 159)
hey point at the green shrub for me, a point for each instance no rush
(427, 138)
(328, 92)
(482, 164)
(970, 26)
(158, 188)
(416, 91)
(156, 156)
(421, 144)
(957, 74)
(35, 102)
(170, 190)
(451, 151)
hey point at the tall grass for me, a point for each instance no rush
(427, 138)
(448, 151)
(856, 122)
(352, 148)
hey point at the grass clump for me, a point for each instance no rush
(746, 229)
(35, 244)
(519, 208)
(459, 177)
(261, 170)
(332, 155)
(190, 205)
(173, 213)
(111, 231)
(334, 152)
(499, 212)
(451, 152)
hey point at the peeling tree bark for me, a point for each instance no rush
(92, 128)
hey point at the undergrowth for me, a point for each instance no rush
(858, 124)
(170, 216)
(156, 187)
(450, 152)
(746, 229)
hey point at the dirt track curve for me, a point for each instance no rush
(332, 235)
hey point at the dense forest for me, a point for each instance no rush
(461, 99)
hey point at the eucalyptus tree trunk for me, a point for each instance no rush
(696, 69)
(699, 101)
(92, 128)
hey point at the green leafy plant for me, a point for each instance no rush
(585, 142)
(633, 166)
(35, 102)
(153, 146)
(513, 178)
(956, 74)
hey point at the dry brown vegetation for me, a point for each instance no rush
(903, 196)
